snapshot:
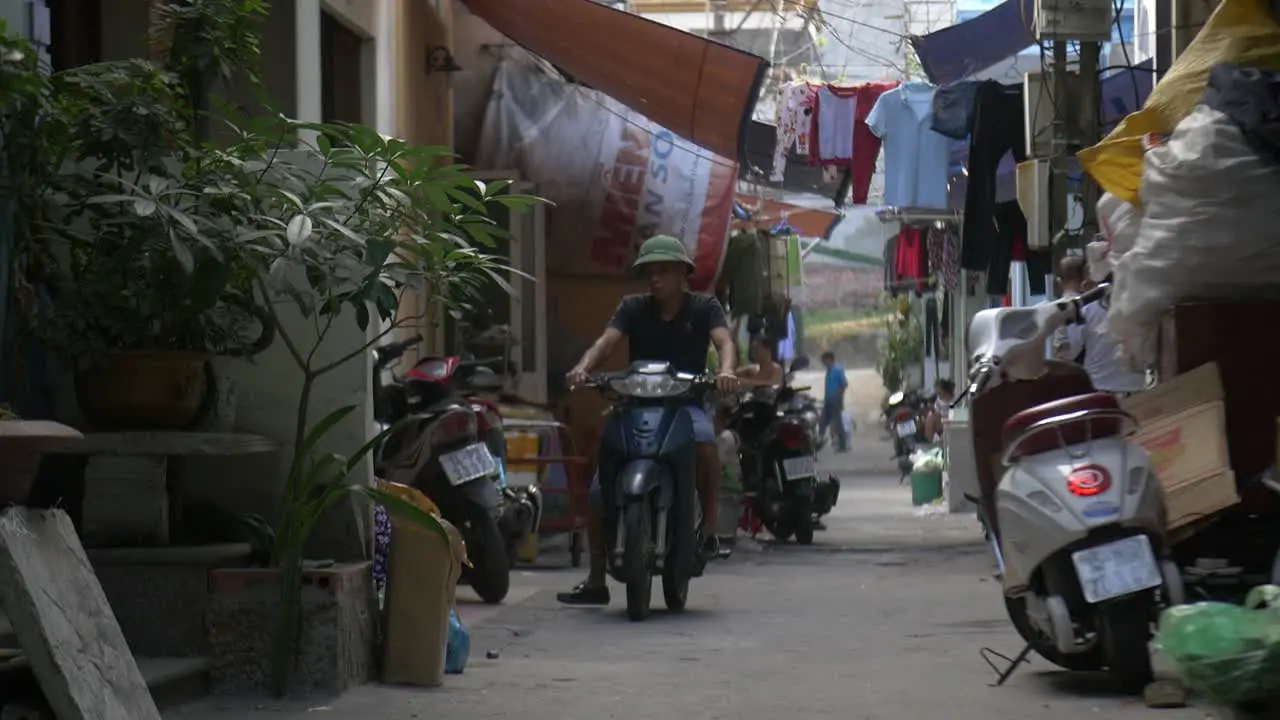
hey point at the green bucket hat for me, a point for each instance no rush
(663, 249)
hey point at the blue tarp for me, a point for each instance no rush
(956, 52)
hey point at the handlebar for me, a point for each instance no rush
(602, 379)
(391, 351)
(1094, 295)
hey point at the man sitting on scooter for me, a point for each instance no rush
(764, 370)
(672, 325)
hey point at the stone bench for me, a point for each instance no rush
(133, 481)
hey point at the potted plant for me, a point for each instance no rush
(336, 222)
(902, 351)
(142, 299)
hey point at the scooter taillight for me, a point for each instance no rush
(452, 427)
(1089, 480)
(792, 437)
(903, 415)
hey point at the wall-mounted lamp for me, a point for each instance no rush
(439, 59)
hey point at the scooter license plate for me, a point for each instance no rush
(469, 463)
(907, 428)
(1117, 568)
(799, 468)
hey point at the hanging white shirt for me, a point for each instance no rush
(837, 114)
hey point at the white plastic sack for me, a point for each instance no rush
(1098, 256)
(1208, 230)
(1119, 221)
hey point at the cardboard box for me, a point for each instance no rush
(1202, 385)
(1182, 424)
(1193, 499)
(1188, 445)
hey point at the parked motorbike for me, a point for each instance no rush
(904, 414)
(648, 479)
(521, 505)
(779, 462)
(1077, 522)
(444, 455)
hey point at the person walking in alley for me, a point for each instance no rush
(672, 325)
(833, 402)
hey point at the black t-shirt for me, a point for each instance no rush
(682, 341)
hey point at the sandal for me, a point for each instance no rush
(584, 595)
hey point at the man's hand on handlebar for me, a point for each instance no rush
(726, 382)
(577, 377)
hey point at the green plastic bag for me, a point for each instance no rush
(1228, 652)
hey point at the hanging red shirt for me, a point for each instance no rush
(866, 146)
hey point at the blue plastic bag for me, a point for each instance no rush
(458, 647)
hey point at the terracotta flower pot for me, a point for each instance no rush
(144, 390)
(22, 444)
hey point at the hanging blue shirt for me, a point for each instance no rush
(916, 157)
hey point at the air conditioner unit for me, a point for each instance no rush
(1083, 20)
(1034, 199)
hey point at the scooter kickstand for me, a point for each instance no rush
(1002, 675)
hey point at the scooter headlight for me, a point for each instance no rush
(649, 386)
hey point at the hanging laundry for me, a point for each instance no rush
(953, 109)
(795, 106)
(837, 111)
(866, 143)
(944, 256)
(916, 157)
(991, 228)
(909, 257)
(891, 266)
(744, 269)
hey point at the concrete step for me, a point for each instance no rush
(175, 681)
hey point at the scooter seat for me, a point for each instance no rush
(1079, 431)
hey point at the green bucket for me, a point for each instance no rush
(926, 487)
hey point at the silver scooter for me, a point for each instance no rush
(1076, 518)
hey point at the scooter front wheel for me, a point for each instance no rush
(637, 560)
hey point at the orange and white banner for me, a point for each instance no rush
(615, 177)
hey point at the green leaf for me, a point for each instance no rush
(362, 314)
(402, 508)
(322, 428)
(182, 253)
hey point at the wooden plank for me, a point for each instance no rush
(61, 616)
(171, 444)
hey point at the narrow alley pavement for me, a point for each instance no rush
(882, 619)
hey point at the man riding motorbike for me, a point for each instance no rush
(668, 324)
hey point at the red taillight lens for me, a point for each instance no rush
(453, 426)
(1089, 480)
(792, 436)
(903, 415)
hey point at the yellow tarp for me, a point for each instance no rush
(1241, 32)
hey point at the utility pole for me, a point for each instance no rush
(1076, 96)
